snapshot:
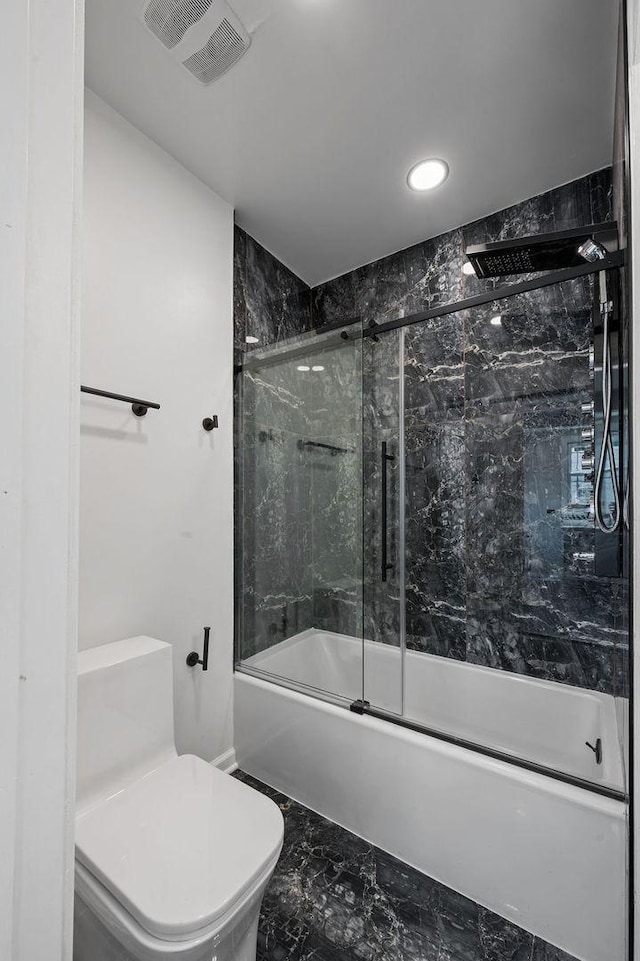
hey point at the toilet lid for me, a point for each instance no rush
(181, 846)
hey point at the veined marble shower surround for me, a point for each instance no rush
(495, 559)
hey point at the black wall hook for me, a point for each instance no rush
(193, 659)
(210, 422)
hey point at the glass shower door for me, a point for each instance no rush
(299, 542)
(383, 529)
(503, 618)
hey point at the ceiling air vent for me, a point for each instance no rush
(224, 47)
(170, 19)
(205, 36)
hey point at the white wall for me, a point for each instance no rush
(41, 129)
(156, 494)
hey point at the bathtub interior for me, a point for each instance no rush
(539, 721)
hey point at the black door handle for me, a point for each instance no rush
(386, 457)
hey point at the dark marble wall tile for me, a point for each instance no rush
(499, 636)
(494, 503)
(270, 302)
(381, 598)
(583, 607)
(381, 424)
(441, 282)
(379, 288)
(602, 197)
(273, 533)
(435, 544)
(278, 304)
(558, 532)
(434, 368)
(538, 350)
(276, 552)
(435, 533)
(336, 403)
(275, 397)
(239, 293)
(338, 608)
(336, 517)
(334, 423)
(622, 673)
(334, 302)
(435, 628)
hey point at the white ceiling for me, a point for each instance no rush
(311, 135)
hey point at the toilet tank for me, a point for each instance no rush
(125, 715)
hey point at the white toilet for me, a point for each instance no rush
(172, 855)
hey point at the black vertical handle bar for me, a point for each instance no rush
(193, 659)
(385, 566)
(205, 652)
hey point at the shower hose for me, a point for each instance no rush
(607, 453)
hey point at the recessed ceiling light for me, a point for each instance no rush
(303, 367)
(428, 174)
(318, 367)
(467, 268)
(496, 321)
(252, 340)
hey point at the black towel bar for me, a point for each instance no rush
(138, 406)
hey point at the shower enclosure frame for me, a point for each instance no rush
(613, 261)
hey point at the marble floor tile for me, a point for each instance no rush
(335, 897)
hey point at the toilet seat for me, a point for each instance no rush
(178, 853)
(141, 945)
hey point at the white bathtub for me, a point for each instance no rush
(540, 721)
(547, 855)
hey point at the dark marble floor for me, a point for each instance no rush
(334, 897)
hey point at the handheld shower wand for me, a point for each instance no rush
(607, 452)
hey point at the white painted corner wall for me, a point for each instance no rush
(156, 493)
(41, 88)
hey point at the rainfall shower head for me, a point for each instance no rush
(565, 248)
